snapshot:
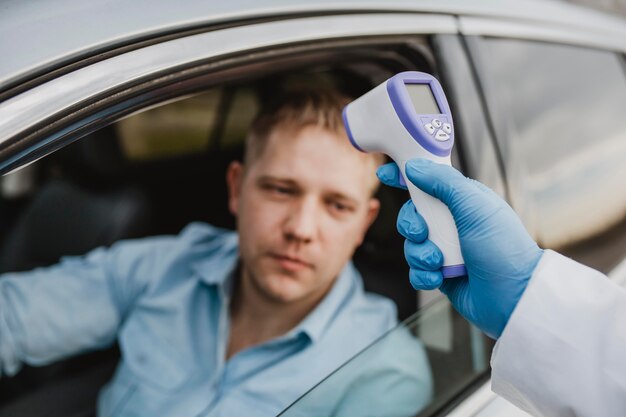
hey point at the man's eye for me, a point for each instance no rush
(278, 189)
(341, 207)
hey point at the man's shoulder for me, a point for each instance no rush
(368, 307)
(373, 319)
(200, 232)
(153, 254)
(375, 309)
(370, 321)
(369, 313)
(193, 235)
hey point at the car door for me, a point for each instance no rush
(561, 138)
(545, 91)
(59, 105)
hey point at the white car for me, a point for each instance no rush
(118, 118)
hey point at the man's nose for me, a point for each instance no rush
(302, 221)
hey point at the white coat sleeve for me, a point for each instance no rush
(563, 351)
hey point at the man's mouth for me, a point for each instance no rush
(291, 263)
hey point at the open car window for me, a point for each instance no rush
(163, 165)
(416, 369)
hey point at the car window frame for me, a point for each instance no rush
(83, 99)
(597, 250)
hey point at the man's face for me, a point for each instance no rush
(302, 208)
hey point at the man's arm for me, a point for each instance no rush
(77, 305)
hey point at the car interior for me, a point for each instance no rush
(161, 168)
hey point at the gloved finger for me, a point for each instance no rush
(425, 255)
(425, 280)
(440, 181)
(483, 188)
(389, 174)
(411, 224)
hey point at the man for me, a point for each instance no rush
(560, 325)
(218, 323)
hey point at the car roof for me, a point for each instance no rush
(38, 35)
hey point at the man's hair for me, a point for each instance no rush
(296, 110)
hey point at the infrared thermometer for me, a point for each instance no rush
(408, 117)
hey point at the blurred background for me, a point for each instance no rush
(618, 6)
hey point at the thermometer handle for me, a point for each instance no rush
(442, 229)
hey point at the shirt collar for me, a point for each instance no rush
(218, 270)
(322, 316)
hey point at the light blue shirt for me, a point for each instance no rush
(166, 301)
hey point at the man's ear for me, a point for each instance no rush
(234, 179)
(373, 208)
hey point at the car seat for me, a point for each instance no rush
(64, 219)
(380, 259)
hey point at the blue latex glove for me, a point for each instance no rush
(499, 255)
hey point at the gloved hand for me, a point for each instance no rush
(499, 255)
